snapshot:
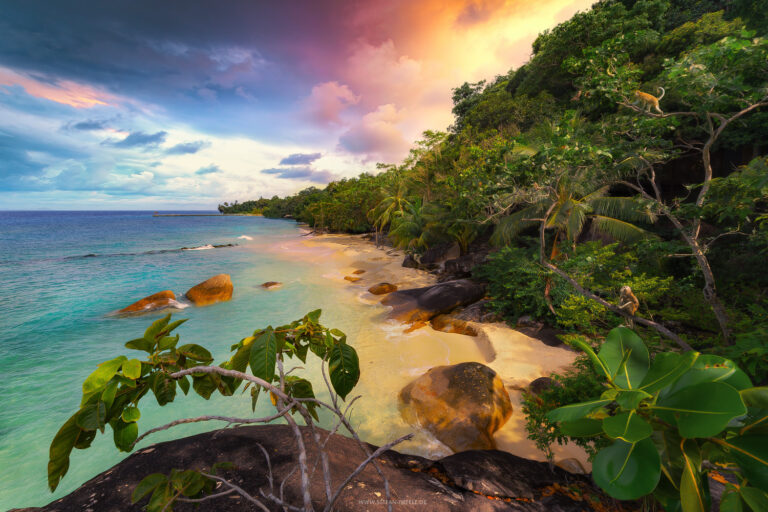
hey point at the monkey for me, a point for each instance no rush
(580, 94)
(649, 101)
(628, 303)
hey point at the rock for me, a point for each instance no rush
(447, 323)
(543, 333)
(462, 266)
(527, 321)
(410, 261)
(358, 272)
(477, 312)
(537, 386)
(216, 289)
(382, 289)
(271, 284)
(462, 405)
(437, 254)
(424, 303)
(473, 480)
(572, 465)
(159, 300)
(352, 279)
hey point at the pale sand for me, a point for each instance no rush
(390, 358)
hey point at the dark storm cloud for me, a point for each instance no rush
(209, 169)
(187, 148)
(138, 139)
(305, 173)
(300, 158)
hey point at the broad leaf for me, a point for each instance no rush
(751, 452)
(702, 410)
(666, 368)
(163, 388)
(61, 446)
(263, 355)
(344, 368)
(130, 414)
(627, 471)
(196, 352)
(710, 368)
(584, 427)
(627, 426)
(92, 415)
(755, 397)
(731, 502)
(626, 357)
(147, 485)
(629, 400)
(140, 344)
(694, 491)
(99, 378)
(132, 369)
(124, 434)
(600, 366)
(576, 411)
(157, 327)
(755, 498)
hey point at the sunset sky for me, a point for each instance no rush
(185, 104)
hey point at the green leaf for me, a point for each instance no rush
(627, 471)
(157, 327)
(314, 316)
(629, 400)
(626, 357)
(99, 378)
(92, 415)
(163, 388)
(584, 427)
(755, 397)
(710, 368)
(694, 492)
(61, 446)
(702, 410)
(124, 434)
(147, 485)
(132, 369)
(196, 352)
(731, 502)
(344, 368)
(167, 342)
(184, 385)
(627, 426)
(576, 411)
(600, 366)
(751, 452)
(264, 355)
(140, 344)
(755, 498)
(666, 368)
(130, 414)
(108, 395)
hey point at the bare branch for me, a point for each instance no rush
(206, 498)
(239, 490)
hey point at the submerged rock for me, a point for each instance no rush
(382, 289)
(462, 405)
(271, 284)
(159, 300)
(216, 289)
(481, 481)
(421, 304)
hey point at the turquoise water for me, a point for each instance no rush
(62, 273)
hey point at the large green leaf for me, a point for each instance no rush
(344, 368)
(61, 446)
(626, 357)
(600, 366)
(124, 434)
(147, 485)
(755, 498)
(702, 410)
(666, 368)
(755, 397)
(157, 327)
(627, 471)
(627, 426)
(694, 491)
(196, 352)
(99, 378)
(132, 369)
(731, 502)
(711, 368)
(263, 355)
(629, 400)
(576, 411)
(751, 452)
(164, 388)
(92, 415)
(584, 427)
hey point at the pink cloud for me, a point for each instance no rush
(377, 135)
(327, 101)
(61, 91)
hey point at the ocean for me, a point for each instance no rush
(63, 273)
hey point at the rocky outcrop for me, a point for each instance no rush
(410, 261)
(462, 266)
(462, 405)
(382, 289)
(477, 312)
(216, 289)
(482, 481)
(449, 323)
(437, 254)
(159, 300)
(271, 284)
(421, 304)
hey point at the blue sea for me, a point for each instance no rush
(62, 274)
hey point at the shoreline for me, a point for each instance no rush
(515, 356)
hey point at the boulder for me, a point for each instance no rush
(437, 254)
(159, 300)
(216, 289)
(382, 289)
(449, 323)
(462, 405)
(481, 481)
(271, 284)
(477, 312)
(462, 266)
(410, 261)
(358, 272)
(352, 279)
(538, 386)
(421, 304)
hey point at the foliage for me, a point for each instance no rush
(112, 393)
(665, 416)
(163, 490)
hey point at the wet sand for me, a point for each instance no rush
(391, 358)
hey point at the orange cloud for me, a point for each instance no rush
(66, 92)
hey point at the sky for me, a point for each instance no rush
(136, 104)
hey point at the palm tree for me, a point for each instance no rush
(414, 230)
(390, 208)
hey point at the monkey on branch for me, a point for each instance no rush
(648, 101)
(628, 303)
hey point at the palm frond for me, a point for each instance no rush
(511, 225)
(625, 208)
(619, 230)
(576, 220)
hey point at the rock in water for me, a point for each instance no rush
(216, 289)
(271, 284)
(156, 301)
(358, 272)
(421, 304)
(462, 405)
(382, 288)
(352, 279)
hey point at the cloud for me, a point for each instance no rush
(327, 101)
(377, 135)
(138, 139)
(304, 173)
(208, 169)
(300, 158)
(67, 92)
(187, 148)
(88, 125)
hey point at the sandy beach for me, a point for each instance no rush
(391, 358)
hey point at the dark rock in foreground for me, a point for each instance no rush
(421, 304)
(476, 480)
